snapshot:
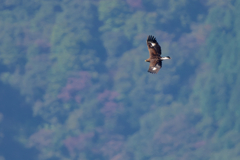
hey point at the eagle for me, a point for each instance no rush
(155, 52)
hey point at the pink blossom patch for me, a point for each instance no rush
(134, 3)
(197, 37)
(78, 99)
(199, 144)
(113, 146)
(74, 84)
(107, 95)
(78, 143)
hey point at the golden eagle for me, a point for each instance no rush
(155, 58)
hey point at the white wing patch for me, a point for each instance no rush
(153, 44)
(154, 68)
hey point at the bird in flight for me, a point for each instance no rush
(155, 58)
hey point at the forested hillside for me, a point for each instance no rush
(74, 84)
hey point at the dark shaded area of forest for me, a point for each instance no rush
(74, 84)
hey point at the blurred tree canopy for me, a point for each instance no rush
(79, 68)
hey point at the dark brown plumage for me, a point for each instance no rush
(155, 52)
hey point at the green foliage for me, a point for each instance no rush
(113, 13)
(80, 66)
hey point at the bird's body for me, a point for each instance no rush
(155, 52)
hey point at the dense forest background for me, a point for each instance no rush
(74, 84)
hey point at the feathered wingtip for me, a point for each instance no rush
(151, 39)
(152, 72)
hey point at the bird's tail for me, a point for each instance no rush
(165, 58)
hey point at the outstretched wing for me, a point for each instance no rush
(155, 66)
(153, 47)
